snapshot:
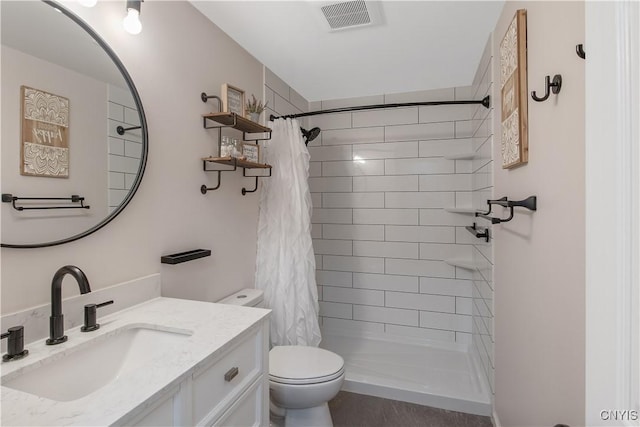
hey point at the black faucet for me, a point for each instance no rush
(56, 321)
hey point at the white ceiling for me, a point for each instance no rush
(419, 45)
(40, 30)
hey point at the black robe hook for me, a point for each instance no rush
(550, 86)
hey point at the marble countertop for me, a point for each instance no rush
(213, 328)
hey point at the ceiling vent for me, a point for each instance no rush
(350, 14)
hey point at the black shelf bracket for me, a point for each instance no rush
(10, 198)
(530, 203)
(254, 139)
(480, 234)
(255, 187)
(204, 97)
(204, 188)
(232, 125)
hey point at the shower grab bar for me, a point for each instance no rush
(530, 203)
(485, 102)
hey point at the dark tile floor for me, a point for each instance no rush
(358, 410)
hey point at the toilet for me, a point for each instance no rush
(302, 379)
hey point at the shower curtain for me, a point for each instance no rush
(285, 264)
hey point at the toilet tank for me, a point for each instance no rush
(246, 297)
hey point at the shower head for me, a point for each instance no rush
(310, 135)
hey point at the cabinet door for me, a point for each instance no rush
(247, 410)
(218, 384)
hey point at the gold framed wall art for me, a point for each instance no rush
(513, 83)
(44, 138)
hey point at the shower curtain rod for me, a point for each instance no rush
(486, 102)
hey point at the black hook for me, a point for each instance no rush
(554, 85)
(580, 51)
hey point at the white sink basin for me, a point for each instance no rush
(91, 365)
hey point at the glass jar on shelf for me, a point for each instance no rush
(226, 147)
(236, 148)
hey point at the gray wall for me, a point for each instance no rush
(540, 257)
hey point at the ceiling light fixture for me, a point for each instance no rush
(131, 22)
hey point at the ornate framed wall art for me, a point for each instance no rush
(513, 83)
(44, 139)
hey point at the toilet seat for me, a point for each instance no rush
(299, 365)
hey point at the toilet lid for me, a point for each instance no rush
(292, 364)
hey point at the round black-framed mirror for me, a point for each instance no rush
(111, 209)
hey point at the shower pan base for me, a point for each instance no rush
(439, 375)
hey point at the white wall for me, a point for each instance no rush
(87, 150)
(380, 184)
(613, 198)
(178, 55)
(540, 256)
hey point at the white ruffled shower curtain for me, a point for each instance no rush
(285, 265)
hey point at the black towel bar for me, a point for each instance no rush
(10, 198)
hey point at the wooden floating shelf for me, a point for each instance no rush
(241, 123)
(232, 161)
(185, 256)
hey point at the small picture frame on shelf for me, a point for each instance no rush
(232, 99)
(251, 152)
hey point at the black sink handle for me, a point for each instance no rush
(90, 314)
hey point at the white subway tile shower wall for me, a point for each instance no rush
(124, 150)
(383, 183)
(380, 184)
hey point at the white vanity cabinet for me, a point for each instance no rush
(182, 363)
(230, 389)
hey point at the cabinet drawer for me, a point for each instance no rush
(247, 411)
(221, 382)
